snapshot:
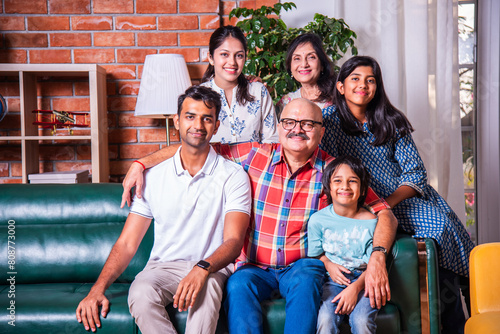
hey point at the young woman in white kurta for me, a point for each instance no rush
(247, 112)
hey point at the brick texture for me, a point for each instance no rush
(114, 39)
(136, 23)
(25, 6)
(70, 39)
(48, 56)
(113, 6)
(180, 22)
(157, 39)
(23, 40)
(69, 7)
(11, 23)
(45, 23)
(194, 38)
(117, 35)
(156, 6)
(91, 56)
(199, 6)
(92, 23)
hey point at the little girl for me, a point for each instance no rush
(341, 236)
(247, 112)
(366, 125)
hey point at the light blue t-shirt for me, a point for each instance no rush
(345, 241)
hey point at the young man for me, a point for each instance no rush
(287, 190)
(200, 203)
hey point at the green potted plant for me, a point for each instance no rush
(268, 38)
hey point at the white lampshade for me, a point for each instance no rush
(164, 78)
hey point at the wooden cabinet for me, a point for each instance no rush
(30, 136)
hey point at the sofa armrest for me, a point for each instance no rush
(429, 286)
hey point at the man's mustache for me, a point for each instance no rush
(300, 134)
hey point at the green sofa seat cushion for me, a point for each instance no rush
(51, 308)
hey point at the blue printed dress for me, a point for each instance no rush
(395, 164)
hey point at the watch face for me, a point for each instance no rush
(203, 264)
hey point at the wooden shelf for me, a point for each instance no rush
(29, 138)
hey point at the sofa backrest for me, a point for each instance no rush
(62, 233)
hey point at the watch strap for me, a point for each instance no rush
(379, 249)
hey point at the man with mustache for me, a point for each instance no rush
(286, 190)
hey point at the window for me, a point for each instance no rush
(468, 82)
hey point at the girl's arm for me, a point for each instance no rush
(134, 175)
(413, 174)
(269, 120)
(402, 193)
(348, 298)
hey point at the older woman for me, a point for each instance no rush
(308, 64)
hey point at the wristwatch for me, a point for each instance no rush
(204, 265)
(379, 249)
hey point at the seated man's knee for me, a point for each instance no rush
(239, 282)
(141, 295)
(215, 286)
(308, 272)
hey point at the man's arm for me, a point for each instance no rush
(135, 177)
(235, 226)
(121, 254)
(376, 279)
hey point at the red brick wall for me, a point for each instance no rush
(116, 34)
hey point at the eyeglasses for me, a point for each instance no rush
(305, 124)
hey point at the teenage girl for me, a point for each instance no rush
(341, 235)
(247, 112)
(366, 125)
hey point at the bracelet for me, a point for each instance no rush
(140, 163)
(379, 249)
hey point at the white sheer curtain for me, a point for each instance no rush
(416, 44)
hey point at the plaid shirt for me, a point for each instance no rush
(282, 202)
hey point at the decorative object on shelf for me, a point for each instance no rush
(164, 78)
(30, 138)
(70, 176)
(60, 119)
(3, 108)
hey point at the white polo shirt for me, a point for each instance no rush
(188, 211)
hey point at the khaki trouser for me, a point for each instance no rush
(154, 288)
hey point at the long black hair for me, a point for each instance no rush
(218, 37)
(357, 167)
(384, 120)
(326, 79)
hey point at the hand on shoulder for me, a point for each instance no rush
(364, 214)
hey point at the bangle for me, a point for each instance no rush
(140, 163)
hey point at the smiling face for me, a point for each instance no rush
(345, 187)
(297, 141)
(359, 88)
(228, 61)
(196, 123)
(305, 65)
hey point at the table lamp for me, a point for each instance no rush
(164, 78)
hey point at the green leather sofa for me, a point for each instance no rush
(54, 240)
